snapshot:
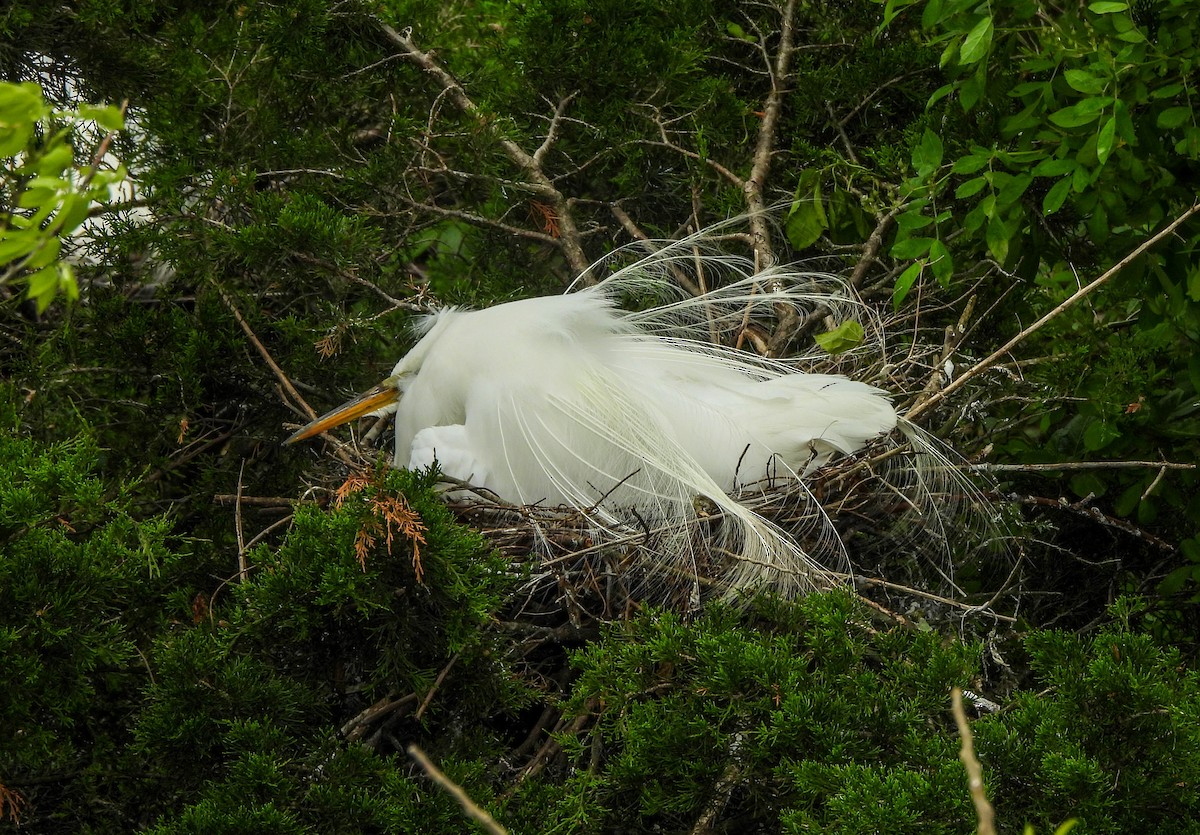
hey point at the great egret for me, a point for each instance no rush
(647, 414)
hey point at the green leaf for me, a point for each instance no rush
(941, 263)
(1053, 167)
(1099, 435)
(18, 245)
(977, 42)
(1106, 140)
(969, 92)
(971, 163)
(1193, 284)
(1105, 7)
(1081, 113)
(970, 188)
(71, 214)
(939, 94)
(55, 160)
(108, 116)
(998, 235)
(805, 225)
(43, 284)
(1087, 484)
(1056, 196)
(1013, 189)
(844, 337)
(905, 282)
(911, 247)
(913, 219)
(1173, 117)
(1085, 82)
(927, 155)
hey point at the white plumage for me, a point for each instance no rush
(638, 418)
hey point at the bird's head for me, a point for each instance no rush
(381, 399)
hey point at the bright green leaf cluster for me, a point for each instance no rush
(46, 194)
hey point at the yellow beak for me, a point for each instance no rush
(382, 395)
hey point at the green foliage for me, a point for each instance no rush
(223, 696)
(1067, 138)
(302, 178)
(47, 186)
(1104, 741)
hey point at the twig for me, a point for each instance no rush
(634, 232)
(765, 145)
(569, 239)
(1096, 515)
(259, 501)
(983, 808)
(1065, 466)
(1081, 293)
(474, 811)
(355, 727)
(237, 524)
(436, 684)
(946, 601)
(275, 369)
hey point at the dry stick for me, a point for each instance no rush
(275, 369)
(636, 233)
(1081, 293)
(765, 146)
(569, 238)
(983, 808)
(237, 524)
(436, 684)
(760, 233)
(1079, 465)
(473, 809)
(260, 501)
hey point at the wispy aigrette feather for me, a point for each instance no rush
(654, 425)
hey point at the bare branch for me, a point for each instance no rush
(552, 131)
(983, 807)
(1080, 294)
(569, 240)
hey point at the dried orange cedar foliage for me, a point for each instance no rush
(389, 515)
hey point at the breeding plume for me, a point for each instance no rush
(645, 420)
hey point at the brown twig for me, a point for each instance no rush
(1076, 297)
(765, 145)
(474, 811)
(283, 378)
(1064, 466)
(983, 807)
(569, 241)
(354, 728)
(436, 684)
(237, 524)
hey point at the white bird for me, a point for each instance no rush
(637, 418)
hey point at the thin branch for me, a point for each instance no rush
(474, 811)
(983, 808)
(274, 366)
(569, 240)
(765, 146)
(1065, 466)
(552, 131)
(436, 684)
(1080, 294)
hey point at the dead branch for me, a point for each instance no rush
(1066, 466)
(474, 811)
(569, 241)
(983, 808)
(1079, 295)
